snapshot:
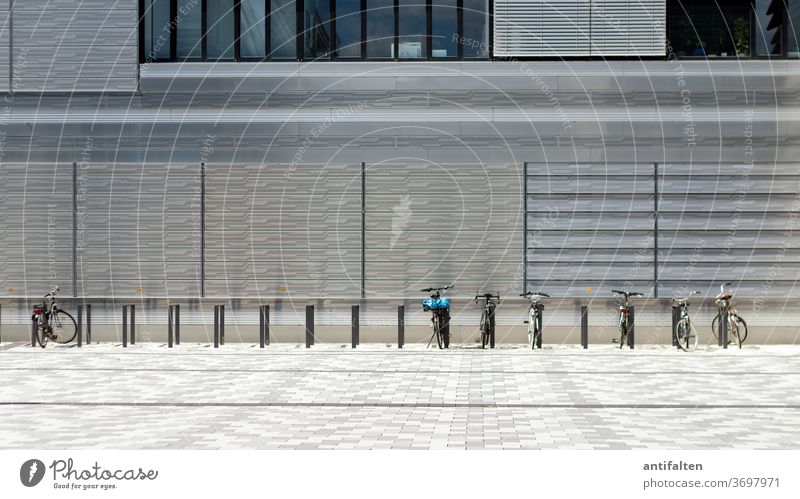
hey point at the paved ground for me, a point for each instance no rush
(241, 397)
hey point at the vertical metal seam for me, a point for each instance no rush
(655, 230)
(525, 227)
(74, 229)
(11, 45)
(363, 230)
(202, 230)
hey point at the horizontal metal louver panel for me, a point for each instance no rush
(579, 28)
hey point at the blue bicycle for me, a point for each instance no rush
(439, 306)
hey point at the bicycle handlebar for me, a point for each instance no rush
(428, 290)
(626, 293)
(538, 293)
(487, 296)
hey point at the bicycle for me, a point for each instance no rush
(440, 317)
(53, 323)
(737, 327)
(685, 333)
(534, 321)
(625, 315)
(487, 318)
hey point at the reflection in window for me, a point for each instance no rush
(412, 29)
(476, 29)
(317, 29)
(348, 28)
(157, 39)
(708, 28)
(444, 28)
(768, 14)
(188, 27)
(219, 22)
(793, 18)
(283, 27)
(380, 29)
(253, 39)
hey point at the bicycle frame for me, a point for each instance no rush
(535, 310)
(624, 314)
(489, 308)
(440, 315)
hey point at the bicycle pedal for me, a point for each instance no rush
(614, 340)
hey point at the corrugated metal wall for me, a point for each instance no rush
(68, 45)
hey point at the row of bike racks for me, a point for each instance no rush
(174, 326)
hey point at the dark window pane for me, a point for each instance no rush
(348, 28)
(709, 28)
(768, 20)
(253, 39)
(156, 30)
(283, 29)
(794, 28)
(317, 29)
(476, 29)
(412, 29)
(219, 23)
(188, 26)
(444, 28)
(380, 28)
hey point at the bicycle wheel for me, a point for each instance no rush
(63, 327)
(485, 329)
(623, 333)
(687, 336)
(537, 331)
(742, 325)
(531, 329)
(733, 332)
(437, 330)
(715, 327)
(41, 333)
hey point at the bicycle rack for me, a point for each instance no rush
(401, 326)
(34, 327)
(355, 326)
(219, 325)
(630, 333)
(263, 325)
(174, 325)
(723, 330)
(675, 320)
(584, 326)
(309, 325)
(494, 325)
(541, 332)
(88, 308)
(125, 323)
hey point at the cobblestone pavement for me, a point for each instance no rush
(332, 397)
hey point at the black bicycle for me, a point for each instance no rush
(439, 306)
(487, 317)
(534, 321)
(52, 322)
(737, 327)
(685, 333)
(625, 314)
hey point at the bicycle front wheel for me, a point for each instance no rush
(437, 331)
(742, 326)
(63, 327)
(687, 336)
(485, 329)
(41, 333)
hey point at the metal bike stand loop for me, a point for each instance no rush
(723, 329)
(584, 326)
(87, 308)
(125, 324)
(174, 325)
(219, 325)
(355, 326)
(401, 326)
(263, 325)
(630, 333)
(34, 327)
(309, 325)
(675, 320)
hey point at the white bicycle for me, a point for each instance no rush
(534, 321)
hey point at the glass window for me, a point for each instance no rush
(219, 22)
(444, 28)
(252, 42)
(708, 28)
(348, 28)
(283, 29)
(413, 27)
(476, 29)
(157, 40)
(768, 14)
(380, 29)
(793, 18)
(317, 29)
(189, 15)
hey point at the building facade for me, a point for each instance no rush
(283, 152)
